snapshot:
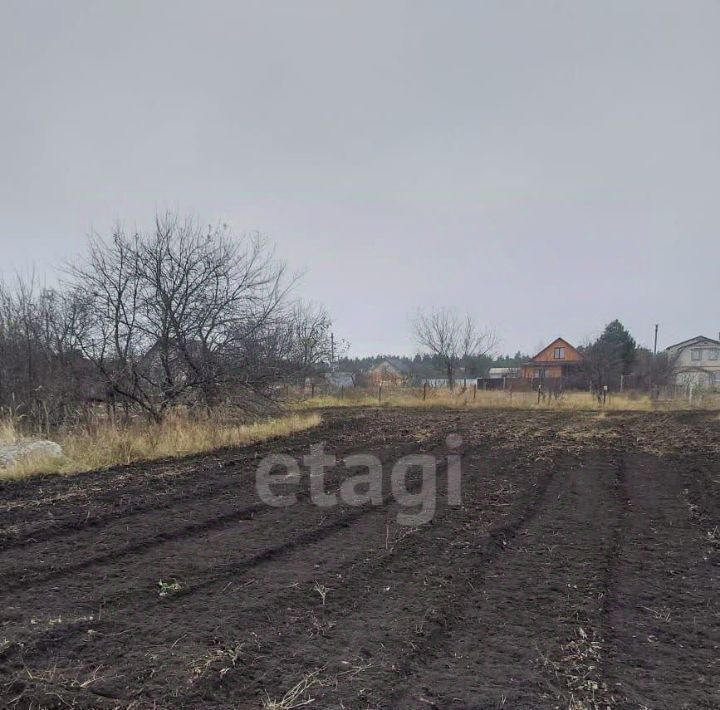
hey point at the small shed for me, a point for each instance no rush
(340, 379)
(498, 373)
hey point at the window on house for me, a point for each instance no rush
(717, 379)
(559, 353)
(696, 354)
(715, 354)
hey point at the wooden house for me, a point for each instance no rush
(558, 361)
(389, 371)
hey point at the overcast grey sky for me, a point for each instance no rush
(545, 165)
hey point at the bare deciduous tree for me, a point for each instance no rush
(310, 336)
(41, 374)
(453, 338)
(652, 371)
(181, 314)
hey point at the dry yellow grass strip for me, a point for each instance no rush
(104, 445)
(8, 431)
(501, 399)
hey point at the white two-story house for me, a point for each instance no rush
(696, 361)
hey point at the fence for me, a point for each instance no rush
(514, 398)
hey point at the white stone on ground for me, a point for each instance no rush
(10, 453)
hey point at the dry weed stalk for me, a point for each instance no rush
(322, 590)
(297, 696)
(220, 656)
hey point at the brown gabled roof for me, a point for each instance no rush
(550, 344)
(395, 363)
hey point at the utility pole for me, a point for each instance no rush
(656, 332)
(332, 349)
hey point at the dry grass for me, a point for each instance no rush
(8, 431)
(498, 399)
(103, 445)
(298, 696)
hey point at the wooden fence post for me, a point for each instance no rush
(474, 391)
(380, 394)
(424, 390)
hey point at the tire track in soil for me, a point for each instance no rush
(606, 691)
(136, 480)
(183, 533)
(663, 618)
(523, 614)
(312, 536)
(156, 483)
(347, 624)
(189, 531)
(243, 484)
(51, 533)
(341, 519)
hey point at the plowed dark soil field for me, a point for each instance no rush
(580, 571)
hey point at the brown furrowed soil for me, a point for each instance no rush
(580, 571)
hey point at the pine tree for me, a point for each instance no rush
(618, 340)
